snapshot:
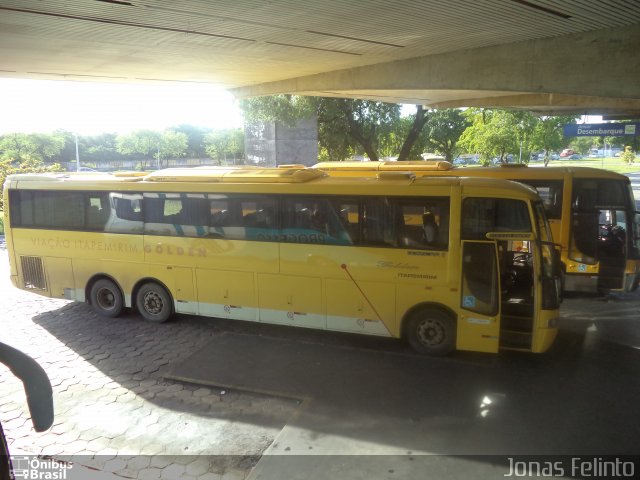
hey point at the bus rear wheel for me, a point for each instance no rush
(431, 332)
(154, 303)
(106, 298)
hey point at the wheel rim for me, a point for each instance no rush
(106, 298)
(153, 303)
(431, 332)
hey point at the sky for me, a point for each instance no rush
(89, 108)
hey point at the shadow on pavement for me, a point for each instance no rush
(580, 397)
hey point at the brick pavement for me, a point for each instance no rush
(114, 410)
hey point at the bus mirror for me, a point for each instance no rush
(510, 236)
(36, 385)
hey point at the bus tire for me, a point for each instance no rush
(106, 298)
(154, 303)
(431, 332)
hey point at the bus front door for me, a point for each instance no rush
(479, 320)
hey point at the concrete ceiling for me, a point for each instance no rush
(553, 56)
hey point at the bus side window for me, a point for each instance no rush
(423, 223)
(98, 211)
(243, 218)
(176, 215)
(220, 215)
(313, 220)
(550, 191)
(348, 214)
(125, 213)
(378, 226)
(127, 209)
(483, 215)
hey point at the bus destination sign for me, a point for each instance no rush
(601, 129)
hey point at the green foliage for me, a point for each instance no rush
(631, 141)
(195, 139)
(223, 145)
(628, 156)
(151, 146)
(547, 134)
(443, 130)
(345, 126)
(286, 109)
(28, 166)
(496, 133)
(17, 148)
(500, 133)
(27, 153)
(349, 127)
(582, 145)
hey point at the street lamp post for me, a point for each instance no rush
(77, 155)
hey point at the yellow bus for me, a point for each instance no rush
(591, 212)
(447, 263)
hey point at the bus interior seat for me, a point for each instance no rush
(97, 217)
(303, 219)
(220, 219)
(430, 228)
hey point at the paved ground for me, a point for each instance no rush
(117, 413)
(111, 398)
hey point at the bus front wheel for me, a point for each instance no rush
(154, 303)
(431, 332)
(106, 298)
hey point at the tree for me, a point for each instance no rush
(345, 126)
(195, 139)
(152, 145)
(548, 135)
(25, 153)
(417, 124)
(362, 121)
(497, 133)
(628, 156)
(631, 141)
(582, 145)
(442, 131)
(101, 148)
(222, 144)
(18, 148)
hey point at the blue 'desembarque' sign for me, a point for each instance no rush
(601, 129)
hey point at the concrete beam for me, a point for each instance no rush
(559, 104)
(585, 67)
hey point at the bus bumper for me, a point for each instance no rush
(580, 283)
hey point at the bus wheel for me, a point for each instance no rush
(106, 298)
(431, 332)
(154, 303)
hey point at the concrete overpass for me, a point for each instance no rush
(570, 56)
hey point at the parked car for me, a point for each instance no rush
(467, 160)
(575, 156)
(567, 152)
